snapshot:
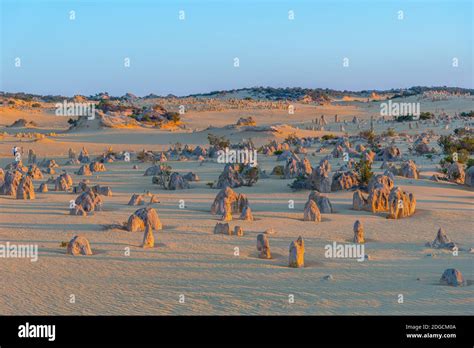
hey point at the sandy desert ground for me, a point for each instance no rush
(188, 259)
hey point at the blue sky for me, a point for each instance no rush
(167, 55)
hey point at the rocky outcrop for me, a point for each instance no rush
(263, 246)
(296, 258)
(227, 215)
(323, 202)
(401, 204)
(409, 170)
(79, 245)
(222, 228)
(35, 172)
(177, 182)
(358, 233)
(84, 170)
(11, 182)
(378, 199)
(469, 178)
(81, 187)
(138, 220)
(191, 177)
(383, 180)
(136, 200)
(319, 179)
(237, 201)
(389, 154)
(103, 190)
(25, 189)
(455, 173)
(86, 203)
(359, 201)
(452, 277)
(63, 182)
(157, 170)
(296, 167)
(97, 167)
(311, 212)
(31, 156)
(148, 238)
(442, 241)
(246, 214)
(246, 121)
(84, 156)
(48, 164)
(238, 231)
(236, 175)
(344, 181)
(43, 188)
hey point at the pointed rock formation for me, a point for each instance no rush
(84, 156)
(452, 277)
(148, 238)
(401, 204)
(136, 200)
(323, 202)
(84, 170)
(238, 231)
(442, 241)
(409, 170)
(230, 177)
(456, 173)
(35, 172)
(246, 214)
(237, 201)
(296, 259)
(359, 201)
(319, 179)
(227, 215)
(25, 189)
(63, 182)
(311, 212)
(43, 188)
(10, 183)
(469, 177)
(263, 246)
(358, 232)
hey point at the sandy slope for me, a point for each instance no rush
(189, 259)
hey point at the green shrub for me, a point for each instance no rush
(390, 132)
(369, 135)
(451, 144)
(364, 171)
(328, 137)
(219, 142)
(404, 118)
(467, 114)
(426, 115)
(278, 170)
